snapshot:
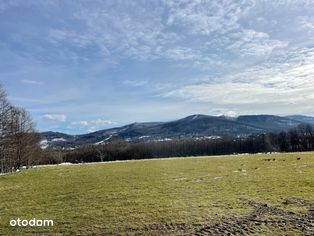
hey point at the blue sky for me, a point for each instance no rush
(79, 66)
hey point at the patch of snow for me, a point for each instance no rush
(195, 117)
(102, 141)
(44, 144)
(207, 137)
(154, 159)
(163, 139)
(108, 138)
(58, 140)
(65, 164)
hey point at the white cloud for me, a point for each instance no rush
(91, 129)
(54, 117)
(92, 125)
(307, 22)
(173, 30)
(34, 82)
(153, 30)
(250, 53)
(203, 34)
(251, 42)
(289, 83)
(100, 122)
(182, 53)
(82, 123)
(224, 112)
(207, 17)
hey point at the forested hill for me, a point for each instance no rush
(194, 126)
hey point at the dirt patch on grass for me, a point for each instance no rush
(262, 217)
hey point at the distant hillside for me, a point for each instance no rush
(194, 126)
(302, 119)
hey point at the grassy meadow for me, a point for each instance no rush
(153, 197)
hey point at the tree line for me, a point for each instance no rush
(19, 142)
(297, 139)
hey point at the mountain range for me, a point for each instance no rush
(194, 126)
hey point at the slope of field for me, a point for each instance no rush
(269, 194)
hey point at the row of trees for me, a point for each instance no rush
(297, 139)
(19, 142)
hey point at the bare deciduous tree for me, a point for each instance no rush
(18, 138)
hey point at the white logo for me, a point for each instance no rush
(32, 223)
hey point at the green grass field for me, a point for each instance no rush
(153, 197)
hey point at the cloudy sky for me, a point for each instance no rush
(79, 66)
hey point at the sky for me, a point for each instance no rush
(80, 66)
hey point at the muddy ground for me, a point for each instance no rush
(263, 216)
